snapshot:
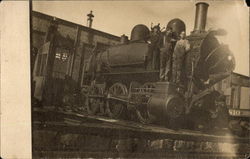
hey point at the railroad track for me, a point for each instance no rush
(92, 136)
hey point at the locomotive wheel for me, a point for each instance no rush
(93, 104)
(143, 115)
(239, 127)
(142, 111)
(134, 85)
(115, 109)
(148, 86)
(131, 109)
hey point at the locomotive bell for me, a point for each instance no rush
(140, 32)
(177, 26)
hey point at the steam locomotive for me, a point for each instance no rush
(122, 83)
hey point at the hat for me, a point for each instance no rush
(157, 27)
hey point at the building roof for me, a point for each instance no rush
(71, 24)
(241, 75)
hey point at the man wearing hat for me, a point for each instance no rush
(154, 48)
(181, 48)
(166, 54)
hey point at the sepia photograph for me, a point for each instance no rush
(139, 79)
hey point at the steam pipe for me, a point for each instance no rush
(200, 17)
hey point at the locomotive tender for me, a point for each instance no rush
(121, 82)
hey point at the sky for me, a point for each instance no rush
(119, 17)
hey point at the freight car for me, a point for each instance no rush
(121, 82)
(236, 91)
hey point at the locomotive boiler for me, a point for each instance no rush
(123, 82)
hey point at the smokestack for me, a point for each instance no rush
(90, 19)
(200, 17)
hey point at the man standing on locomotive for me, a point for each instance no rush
(155, 43)
(166, 54)
(181, 48)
